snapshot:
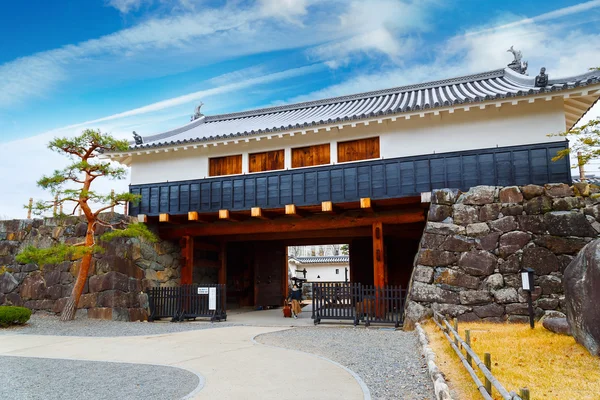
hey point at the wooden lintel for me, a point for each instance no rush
(164, 218)
(365, 204)
(206, 246)
(316, 222)
(257, 212)
(291, 210)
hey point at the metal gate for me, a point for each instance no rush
(356, 302)
(188, 302)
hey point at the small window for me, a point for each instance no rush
(228, 165)
(266, 161)
(311, 155)
(355, 150)
(337, 271)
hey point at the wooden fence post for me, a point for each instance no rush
(487, 360)
(468, 340)
(29, 208)
(525, 394)
(456, 329)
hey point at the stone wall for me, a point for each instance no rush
(475, 244)
(117, 277)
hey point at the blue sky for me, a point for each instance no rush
(124, 65)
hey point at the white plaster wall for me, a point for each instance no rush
(325, 272)
(508, 125)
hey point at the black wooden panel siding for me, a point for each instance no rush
(378, 179)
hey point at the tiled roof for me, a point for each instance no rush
(322, 260)
(492, 85)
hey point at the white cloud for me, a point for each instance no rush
(289, 10)
(124, 6)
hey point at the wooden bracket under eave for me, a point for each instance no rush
(365, 204)
(164, 218)
(142, 218)
(225, 215)
(328, 207)
(257, 212)
(291, 210)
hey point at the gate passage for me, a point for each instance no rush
(188, 302)
(357, 302)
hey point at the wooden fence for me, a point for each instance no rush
(188, 302)
(472, 358)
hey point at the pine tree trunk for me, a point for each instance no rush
(68, 313)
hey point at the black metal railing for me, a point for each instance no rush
(356, 302)
(188, 302)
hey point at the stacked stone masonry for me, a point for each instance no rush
(476, 243)
(117, 277)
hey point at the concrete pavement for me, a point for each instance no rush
(232, 364)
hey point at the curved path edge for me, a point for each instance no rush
(361, 383)
(190, 395)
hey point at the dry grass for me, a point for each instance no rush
(552, 366)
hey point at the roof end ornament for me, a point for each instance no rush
(517, 65)
(542, 79)
(197, 113)
(138, 139)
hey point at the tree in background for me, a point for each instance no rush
(585, 141)
(72, 186)
(345, 249)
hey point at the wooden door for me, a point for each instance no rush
(268, 274)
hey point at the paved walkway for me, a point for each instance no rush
(232, 365)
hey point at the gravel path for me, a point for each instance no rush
(388, 361)
(43, 324)
(26, 378)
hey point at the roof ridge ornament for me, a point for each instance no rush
(542, 79)
(197, 113)
(138, 139)
(517, 64)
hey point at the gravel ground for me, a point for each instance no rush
(26, 378)
(42, 324)
(388, 361)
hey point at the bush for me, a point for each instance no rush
(10, 315)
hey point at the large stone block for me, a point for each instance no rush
(444, 196)
(489, 310)
(438, 213)
(458, 243)
(108, 281)
(512, 242)
(540, 259)
(433, 294)
(558, 190)
(440, 228)
(538, 205)
(493, 282)
(432, 258)
(565, 223)
(557, 325)
(89, 300)
(423, 274)
(478, 230)
(567, 203)
(33, 287)
(506, 295)
(511, 265)
(489, 242)
(470, 297)
(560, 245)
(451, 277)
(510, 194)
(479, 195)
(505, 224)
(114, 298)
(478, 262)
(547, 303)
(531, 191)
(532, 223)
(550, 284)
(100, 313)
(415, 312)
(452, 310)
(432, 241)
(464, 215)
(489, 212)
(8, 283)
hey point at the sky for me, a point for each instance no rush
(143, 65)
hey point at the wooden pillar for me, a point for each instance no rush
(223, 261)
(378, 255)
(352, 263)
(187, 267)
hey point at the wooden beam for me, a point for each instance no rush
(316, 222)
(365, 204)
(206, 246)
(187, 253)
(290, 209)
(257, 212)
(223, 261)
(164, 218)
(378, 255)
